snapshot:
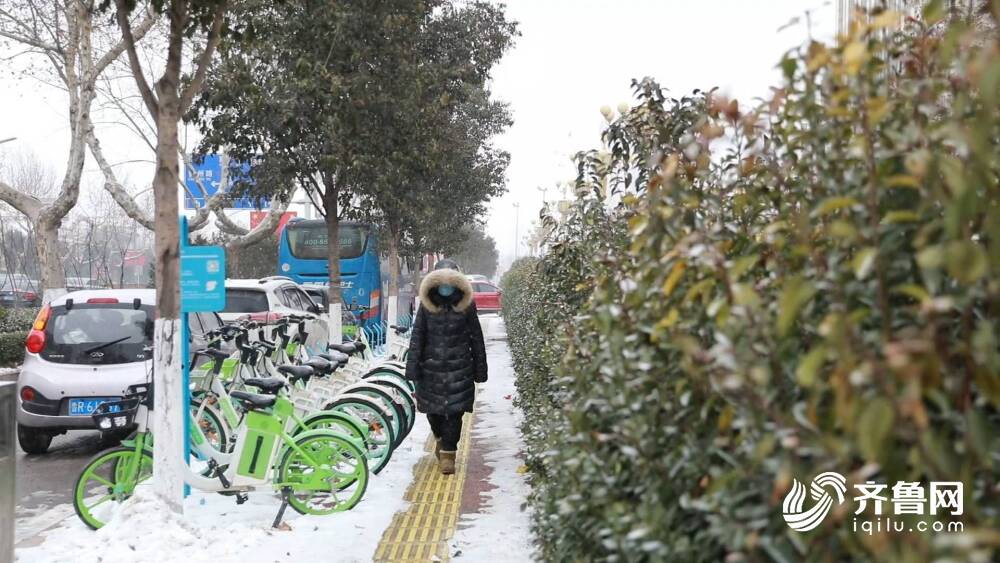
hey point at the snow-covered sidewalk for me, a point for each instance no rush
(499, 530)
(214, 528)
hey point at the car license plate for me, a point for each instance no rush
(85, 407)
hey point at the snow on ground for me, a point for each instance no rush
(214, 528)
(502, 526)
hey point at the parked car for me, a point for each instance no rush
(10, 298)
(487, 297)
(18, 290)
(321, 297)
(269, 299)
(85, 348)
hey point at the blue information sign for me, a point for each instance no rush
(206, 179)
(203, 278)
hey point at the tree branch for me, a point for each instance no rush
(114, 187)
(133, 59)
(30, 41)
(263, 230)
(226, 225)
(204, 60)
(27, 204)
(138, 33)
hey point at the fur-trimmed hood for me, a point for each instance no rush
(445, 277)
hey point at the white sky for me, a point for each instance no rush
(573, 56)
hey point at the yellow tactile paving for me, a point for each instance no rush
(421, 532)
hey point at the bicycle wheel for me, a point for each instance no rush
(215, 430)
(111, 475)
(398, 419)
(380, 439)
(389, 372)
(399, 394)
(326, 474)
(353, 427)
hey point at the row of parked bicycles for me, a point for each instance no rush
(271, 415)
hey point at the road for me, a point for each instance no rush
(45, 482)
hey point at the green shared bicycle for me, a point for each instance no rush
(319, 471)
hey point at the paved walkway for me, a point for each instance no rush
(421, 532)
(476, 514)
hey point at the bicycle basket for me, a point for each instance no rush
(115, 415)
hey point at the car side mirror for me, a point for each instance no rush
(316, 309)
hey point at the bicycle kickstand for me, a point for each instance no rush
(285, 492)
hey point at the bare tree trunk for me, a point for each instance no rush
(168, 390)
(52, 273)
(330, 196)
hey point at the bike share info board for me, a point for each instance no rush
(203, 290)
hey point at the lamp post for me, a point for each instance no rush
(517, 221)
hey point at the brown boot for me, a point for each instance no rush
(437, 449)
(447, 463)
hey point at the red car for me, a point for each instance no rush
(487, 297)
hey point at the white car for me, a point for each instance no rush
(269, 299)
(85, 348)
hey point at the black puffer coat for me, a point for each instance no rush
(447, 353)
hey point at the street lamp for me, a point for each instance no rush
(517, 221)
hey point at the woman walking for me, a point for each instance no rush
(447, 356)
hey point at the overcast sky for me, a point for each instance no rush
(573, 56)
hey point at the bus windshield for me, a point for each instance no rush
(310, 242)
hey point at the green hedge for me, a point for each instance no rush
(12, 348)
(13, 320)
(820, 294)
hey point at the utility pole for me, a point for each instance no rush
(517, 221)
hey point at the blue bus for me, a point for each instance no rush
(302, 256)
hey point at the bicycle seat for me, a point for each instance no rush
(213, 353)
(400, 329)
(345, 348)
(334, 357)
(320, 365)
(296, 373)
(360, 346)
(269, 385)
(253, 400)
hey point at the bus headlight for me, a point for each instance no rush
(285, 267)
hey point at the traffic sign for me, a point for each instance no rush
(208, 170)
(203, 278)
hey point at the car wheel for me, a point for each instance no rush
(33, 440)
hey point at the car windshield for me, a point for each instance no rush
(98, 334)
(245, 301)
(310, 241)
